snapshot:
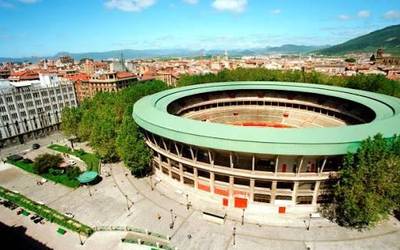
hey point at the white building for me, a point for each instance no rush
(33, 108)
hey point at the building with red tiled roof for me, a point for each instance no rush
(86, 86)
(81, 83)
(26, 75)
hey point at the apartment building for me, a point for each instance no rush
(31, 108)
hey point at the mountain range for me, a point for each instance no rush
(164, 53)
(387, 38)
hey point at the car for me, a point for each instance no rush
(35, 146)
(38, 219)
(14, 157)
(70, 215)
(34, 217)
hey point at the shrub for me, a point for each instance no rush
(44, 162)
(73, 172)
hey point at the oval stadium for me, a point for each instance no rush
(260, 145)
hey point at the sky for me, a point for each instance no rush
(46, 27)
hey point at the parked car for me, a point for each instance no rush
(38, 219)
(70, 215)
(35, 146)
(15, 157)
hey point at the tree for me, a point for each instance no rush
(44, 162)
(350, 60)
(132, 148)
(73, 172)
(71, 119)
(369, 186)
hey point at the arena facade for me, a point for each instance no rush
(261, 145)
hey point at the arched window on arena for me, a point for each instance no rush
(264, 164)
(242, 161)
(221, 158)
(202, 155)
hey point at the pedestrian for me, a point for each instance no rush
(158, 216)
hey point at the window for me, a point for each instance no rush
(304, 199)
(202, 173)
(285, 185)
(188, 181)
(283, 197)
(5, 117)
(222, 178)
(241, 181)
(307, 186)
(265, 198)
(263, 184)
(187, 169)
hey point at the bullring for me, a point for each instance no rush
(260, 144)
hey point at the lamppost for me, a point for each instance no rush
(151, 183)
(234, 235)
(127, 202)
(243, 216)
(171, 225)
(187, 202)
(80, 238)
(309, 222)
(90, 193)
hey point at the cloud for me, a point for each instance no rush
(191, 1)
(344, 17)
(392, 14)
(364, 13)
(129, 5)
(28, 1)
(230, 5)
(276, 11)
(6, 4)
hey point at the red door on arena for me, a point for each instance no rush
(240, 202)
(284, 167)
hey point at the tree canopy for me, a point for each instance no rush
(374, 83)
(369, 186)
(44, 162)
(106, 122)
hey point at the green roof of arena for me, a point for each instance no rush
(151, 114)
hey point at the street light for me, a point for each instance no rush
(90, 193)
(171, 225)
(243, 216)
(234, 235)
(309, 222)
(127, 202)
(187, 202)
(151, 183)
(80, 238)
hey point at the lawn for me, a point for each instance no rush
(62, 178)
(91, 160)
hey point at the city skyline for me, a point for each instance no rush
(34, 27)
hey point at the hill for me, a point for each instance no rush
(387, 38)
(166, 53)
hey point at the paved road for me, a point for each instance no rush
(122, 200)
